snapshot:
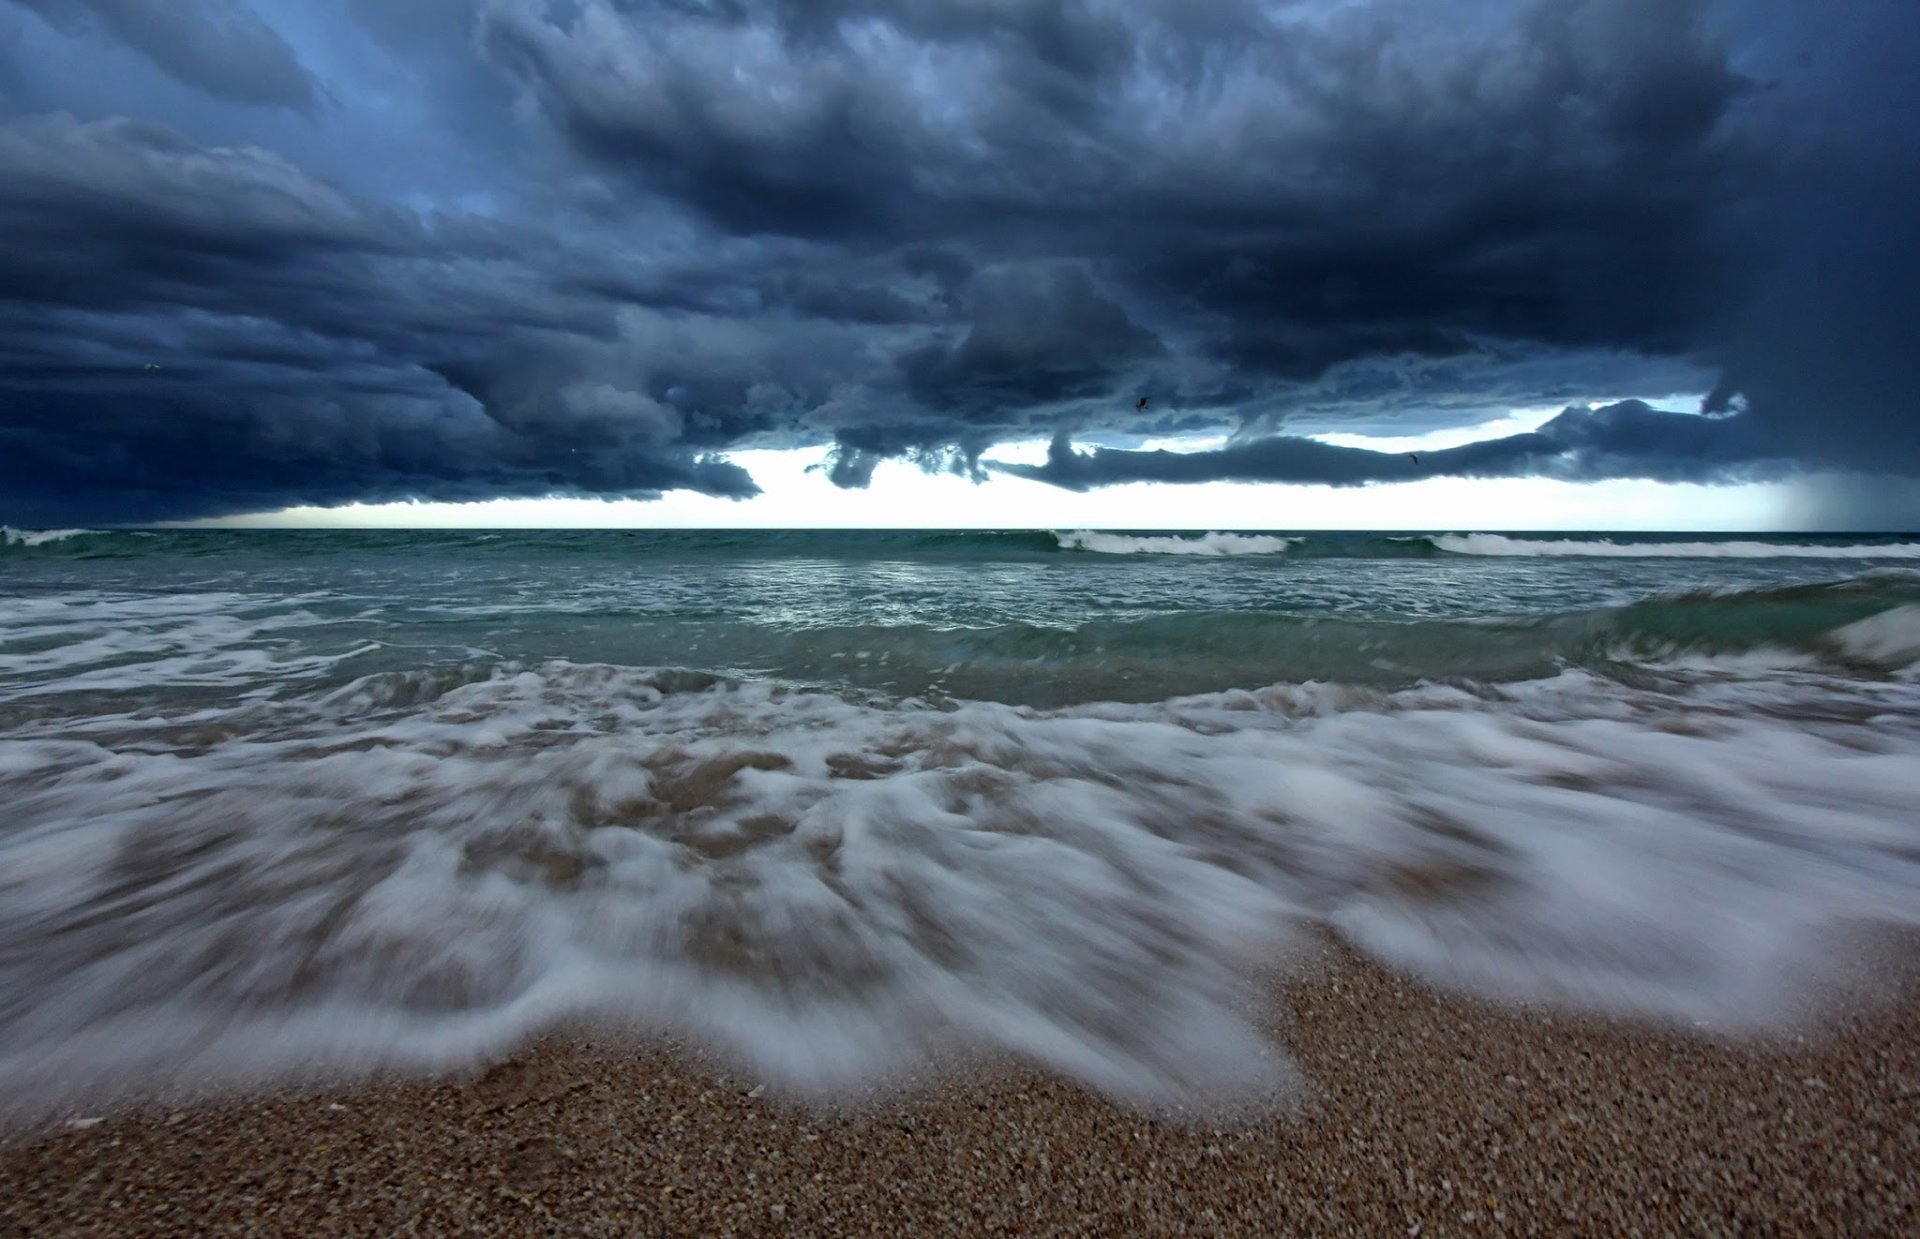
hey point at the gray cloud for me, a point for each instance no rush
(644, 232)
(302, 344)
(1036, 336)
(1623, 440)
(1286, 193)
(1817, 345)
(220, 46)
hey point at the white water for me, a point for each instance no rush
(270, 812)
(420, 869)
(133, 642)
(1498, 544)
(1202, 544)
(39, 537)
(1890, 639)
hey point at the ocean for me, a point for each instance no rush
(844, 808)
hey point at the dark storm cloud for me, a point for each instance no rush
(251, 338)
(1820, 346)
(1378, 183)
(1036, 337)
(590, 246)
(1624, 440)
(220, 46)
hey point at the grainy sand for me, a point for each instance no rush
(1430, 1115)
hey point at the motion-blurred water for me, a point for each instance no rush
(839, 804)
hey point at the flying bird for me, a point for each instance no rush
(152, 366)
(1413, 457)
(1141, 406)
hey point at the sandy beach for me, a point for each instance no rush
(1424, 1114)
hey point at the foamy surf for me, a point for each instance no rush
(841, 808)
(1890, 639)
(834, 895)
(1500, 544)
(1212, 544)
(9, 536)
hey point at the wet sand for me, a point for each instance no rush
(1426, 1114)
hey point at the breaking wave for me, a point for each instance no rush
(418, 870)
(1201, 544)
(1499, 544)
(10, 536)
(354, 803)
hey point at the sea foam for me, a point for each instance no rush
(418, 871)
(9, 536)
(1200, 544)
(1499, 544)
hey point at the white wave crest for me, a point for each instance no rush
(400, 875)
(1498, 544)
(1205, 544)
(127, 643)
(40, 537)
(1889, 639)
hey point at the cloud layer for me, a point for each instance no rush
(306, 253)
(1624, 440)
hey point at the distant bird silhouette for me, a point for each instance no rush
(152, 366)
(1141, 407)
(1414, 458)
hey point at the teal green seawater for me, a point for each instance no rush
(1036, 617)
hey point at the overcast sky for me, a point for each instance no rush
(262, 254)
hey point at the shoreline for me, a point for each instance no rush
(1423, 1113)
